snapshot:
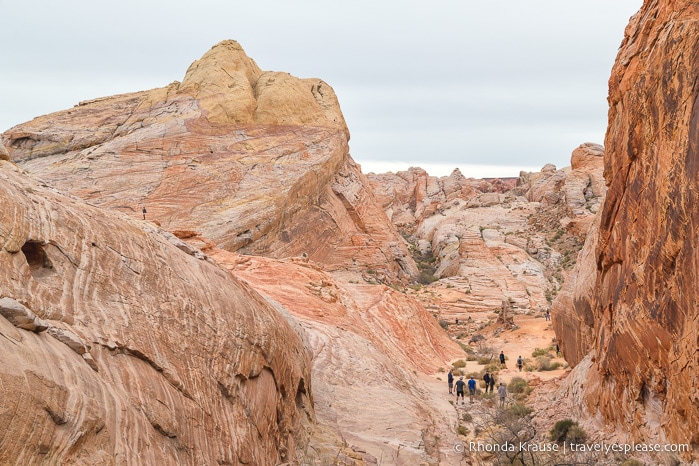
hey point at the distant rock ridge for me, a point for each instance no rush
(630, 322)
(496, 240)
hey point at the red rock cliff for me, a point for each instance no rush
(641, 322)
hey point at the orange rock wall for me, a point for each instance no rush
(645, 314)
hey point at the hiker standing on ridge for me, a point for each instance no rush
(450, 381)
(144, 213)
(502, 359)
(520, 363)
(492, 383)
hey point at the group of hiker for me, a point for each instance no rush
(489, 380)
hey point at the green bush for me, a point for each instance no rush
(493, 367)
(518, 385)
(466, 417)
(519, 410)
(544, 364)
(541, 352)
(459, 364)
(462, 430)
(567, 431)
(577, 435)
(444, 324)
(485, 360)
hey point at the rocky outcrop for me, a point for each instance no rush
(255, 161)
(643, 314)
(496, 240)
(119, 348)
(370, 343)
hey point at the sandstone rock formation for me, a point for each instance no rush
(235, 159)
(641, 332)
(255, 161)
(369, 342)
(119, 348)
(496, 240)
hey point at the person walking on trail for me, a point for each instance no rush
(520, 363)
(502, 359)
(486, 379)
(547, 315)
(492, 383)
(460, 390)
(471, 389)
(144, 213)
(502, 393)
(450, 381)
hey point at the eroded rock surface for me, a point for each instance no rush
(371, 344)
(151, 356)
(641, 336)
(255, 161)
(489, 241)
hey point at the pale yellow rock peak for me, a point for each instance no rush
(232, 89)
(222, 80)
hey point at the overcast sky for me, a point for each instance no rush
(504, 85)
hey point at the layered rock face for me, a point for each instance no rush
(235, 159)
(642, 320)
(495, 240)
(369, 343)
(255, 161)
(119, 347)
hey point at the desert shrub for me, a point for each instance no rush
(632, 462)
(459, 364)
(567, 431)
(441, 369)
(576, 434)
(462, 430)
(466, 417)
(471, 357)
(476, 337)
(519, 410)
(544, 364)
(426, 277)
(518, 385)
(493, 367)
(484, 360)
(444, 324)
(541, 352)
